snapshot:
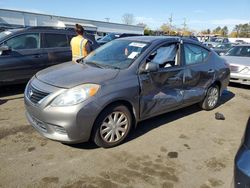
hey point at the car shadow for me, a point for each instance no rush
(237, 85)
(155, 122)
(10, 90)
(86, 145)
(7, 91)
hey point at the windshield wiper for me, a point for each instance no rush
(93, 64)
(110, 66)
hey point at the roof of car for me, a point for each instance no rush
(150, 38)
(41, 28)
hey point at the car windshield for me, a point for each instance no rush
(118, 54)
(243, 51)
(219, 40)
(110, 37)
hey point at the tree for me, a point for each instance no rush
(128, 18)
(207, 31)
(217, 30)
(237, 30)
(242, 30)
(148, 31)
(224, 31)
(166, 28)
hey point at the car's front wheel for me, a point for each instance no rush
(211, 99)
(112, 126)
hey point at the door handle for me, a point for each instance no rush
(210, 71)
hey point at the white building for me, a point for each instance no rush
(23, 19)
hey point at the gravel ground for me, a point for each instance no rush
(186, 148)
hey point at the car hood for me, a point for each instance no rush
(245, 61)
(68, 75)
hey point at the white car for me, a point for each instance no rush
(238, 58)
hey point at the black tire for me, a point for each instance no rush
(206, 103)
(98, 138)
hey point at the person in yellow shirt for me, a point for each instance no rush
(80, 46)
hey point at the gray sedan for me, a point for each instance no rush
(121, 83)
(239, 59)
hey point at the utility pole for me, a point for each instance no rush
(184, 24)
(170, 22)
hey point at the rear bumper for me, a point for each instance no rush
(240, 78)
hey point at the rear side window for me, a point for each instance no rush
(25, 41)
(55, 40)
(195, 54)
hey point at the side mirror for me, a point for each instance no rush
(4, 49)
(151, 67)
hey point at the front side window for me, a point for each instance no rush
(117, 54)
(55, 40)
(194, 54)
(26, 41)
(165, 56)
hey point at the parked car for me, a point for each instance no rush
(214, 41)
(121, 83)
(192, 37)
(239, 59)
(221, 49)
(242, 162)
(239, 41)
(25, 51)
(111, 36)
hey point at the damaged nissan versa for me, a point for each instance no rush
(125, 81)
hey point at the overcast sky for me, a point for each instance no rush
(199, 14)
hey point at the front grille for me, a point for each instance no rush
(234, 68)
(35, 95)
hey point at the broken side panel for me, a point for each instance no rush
(160, 91)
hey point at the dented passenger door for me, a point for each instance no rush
(161, 91)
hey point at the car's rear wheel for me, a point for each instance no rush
(112, 126)
(211, 99)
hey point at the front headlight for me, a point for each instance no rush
(75, 95)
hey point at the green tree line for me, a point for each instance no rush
(241, 30)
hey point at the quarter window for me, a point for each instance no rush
(26, 41)
(55, 40)
(195, 54)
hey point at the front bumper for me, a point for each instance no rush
(240, 78)
(71, 124)
(242, 168)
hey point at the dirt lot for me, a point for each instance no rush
(186, 148)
